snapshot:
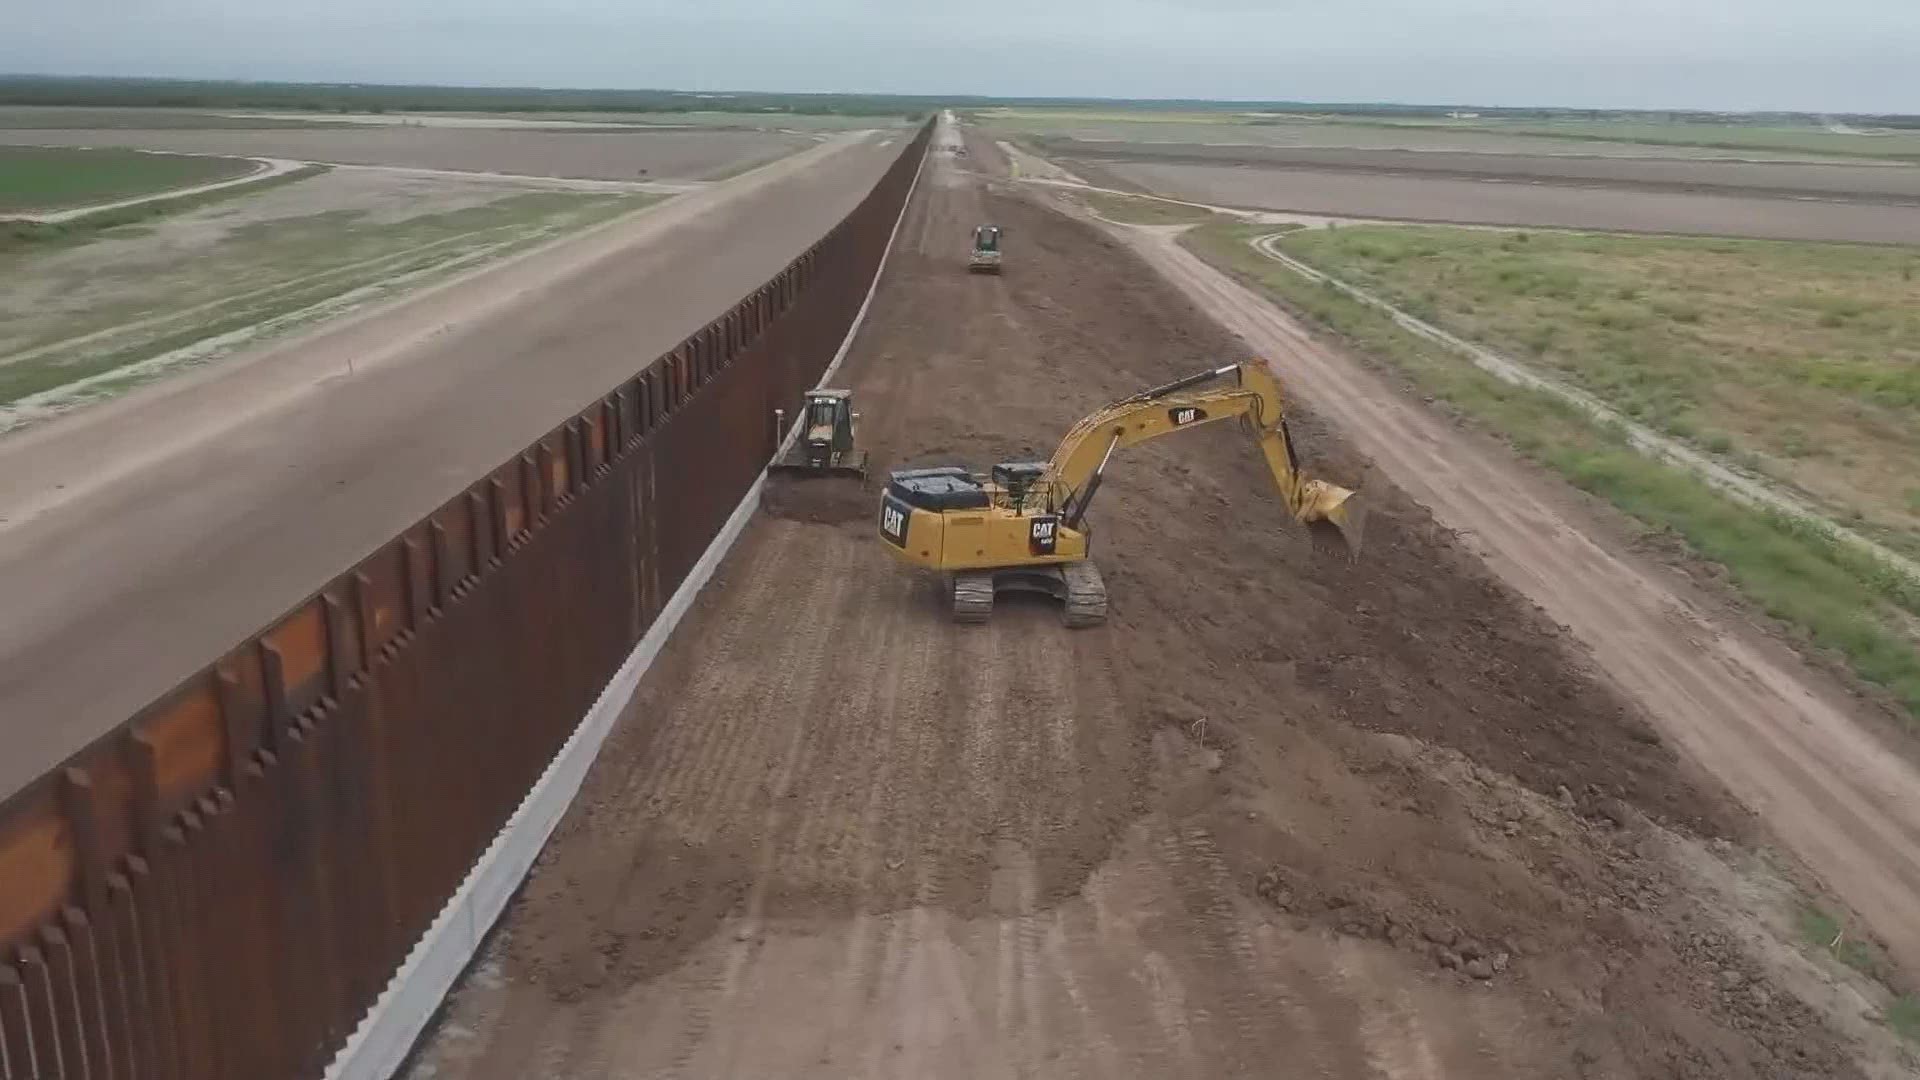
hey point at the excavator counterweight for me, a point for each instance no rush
(1022, 526)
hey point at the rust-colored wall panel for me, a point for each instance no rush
(301, 640)
(381, 597)
(36, 863)
(189, 740)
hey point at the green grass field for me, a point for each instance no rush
(1732, 343)
(1802, 360)
(275, 274)
(1141, 211)
(53, 178)
(18, 233)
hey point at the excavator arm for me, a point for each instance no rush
(1254, 395)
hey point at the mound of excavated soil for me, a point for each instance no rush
(820, 500)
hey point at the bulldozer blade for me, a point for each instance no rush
(853, 466)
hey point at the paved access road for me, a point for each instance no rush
(141, 539)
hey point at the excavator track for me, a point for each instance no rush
(972, 597)
(1086, 595)
(1077, 585)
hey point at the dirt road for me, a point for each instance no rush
(141, 539)
(1785, 739)
(1856, 181)
(1277, 817)
(1519, 202)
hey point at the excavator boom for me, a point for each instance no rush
(1254, 396)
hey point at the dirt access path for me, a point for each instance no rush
(1276, 816)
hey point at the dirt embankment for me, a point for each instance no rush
(1354, 821)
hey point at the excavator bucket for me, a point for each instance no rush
(1336, 521)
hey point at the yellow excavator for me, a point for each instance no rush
(1022, 527)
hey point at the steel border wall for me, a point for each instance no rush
(224, 885)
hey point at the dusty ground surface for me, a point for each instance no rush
(1279, 816)
(142, 538)
(598, 155)
(1392, 197)
(1858, 180)
(1333, 135)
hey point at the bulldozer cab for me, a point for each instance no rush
(986, 238)
(830, 419)
(826, 443)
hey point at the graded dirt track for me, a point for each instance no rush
(1279, 815)
(593, 155)
(141, 539)
(1517, 201)
(1860, 181)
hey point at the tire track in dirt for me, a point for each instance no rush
(838, 835)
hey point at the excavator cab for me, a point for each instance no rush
(985, 257)
(1017, 480)
(826, 443)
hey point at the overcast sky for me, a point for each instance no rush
(1833, 55)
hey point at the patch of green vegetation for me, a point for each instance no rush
(1131, 210)
(1903, 1017)
(319, 258)
(178, 94)
(21, 234)
(1822, 930)
(57, 178)
(1806, 355)
(1838, 597)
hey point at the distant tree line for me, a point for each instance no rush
(367, 97)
